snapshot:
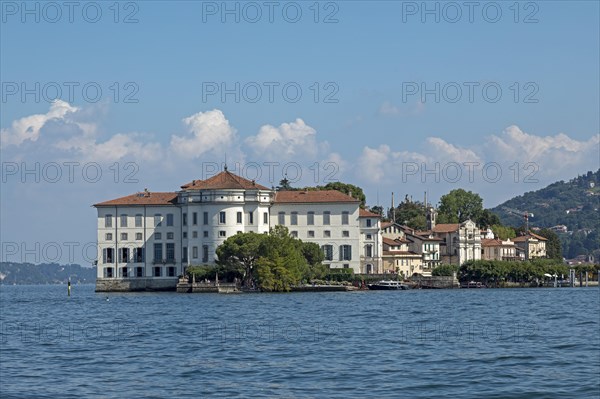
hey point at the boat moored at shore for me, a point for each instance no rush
(388, 285)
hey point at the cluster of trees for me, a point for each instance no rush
(455, 207)
(409, 213)
(497, 272)
(445, 270)
(271, 262)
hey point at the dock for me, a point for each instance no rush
(184, 285)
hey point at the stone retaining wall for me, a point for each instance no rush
(135, 284)
(435, 282)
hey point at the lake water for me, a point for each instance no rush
(511, 343)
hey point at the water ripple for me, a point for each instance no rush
(419, 344)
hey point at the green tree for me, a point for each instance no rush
(314, 257)
(282, 261)
(411, 214)
(274, 275)
(312, 253)
(487, 219)
(553, 247)
(284, 185)
(459, 205)
(377, 209)
(503, 232)
(241, 251)
(445, 270)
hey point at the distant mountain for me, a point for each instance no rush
(45, 273)
(574, 204)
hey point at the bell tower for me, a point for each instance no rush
(431, 217)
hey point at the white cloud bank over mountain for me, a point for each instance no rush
(555, 157)
(68, 133)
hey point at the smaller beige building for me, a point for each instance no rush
(397, 258)
(421, 243)
(531, 246)
(496, 249)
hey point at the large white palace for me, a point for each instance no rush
(147, 239)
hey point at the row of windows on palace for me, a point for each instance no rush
(345, 254)
(138, 271)
(170, 235)
(137, 255)
(310, 219)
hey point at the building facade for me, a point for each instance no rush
(397, 258)
(461, 242)
(371, 242)
(147, 239)
(531, 246)
(496, 249)
(422, 243)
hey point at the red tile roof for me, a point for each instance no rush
(494, 242)
(385, 225)
(394, 242)
(423, 236)
(363, 213)
(143, 198)
(528, 237)
(538, 237)
(446, 227)
(317, 196)
(224, 180)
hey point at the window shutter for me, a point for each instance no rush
(104, 255)
(341, 252)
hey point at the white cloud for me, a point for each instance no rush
(62, 133)
(287, 141)
(558, 155)
(28, 128)
(555, 157)
(442, 151)
(210, 132)
(338, 162)
(61, 129)
(119, 146)
(381, 164)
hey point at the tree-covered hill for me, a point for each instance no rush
(574, 204)
(45, 273)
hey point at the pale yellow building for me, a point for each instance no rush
(397, 258)
(496, 249)
(532, 246)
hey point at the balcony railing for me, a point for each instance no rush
(164, 261)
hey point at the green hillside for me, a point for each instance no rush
(574, 204)
(45, 273)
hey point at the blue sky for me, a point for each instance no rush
(371, 125)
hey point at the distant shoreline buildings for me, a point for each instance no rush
(147, 239)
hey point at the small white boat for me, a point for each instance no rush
(388, 285)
